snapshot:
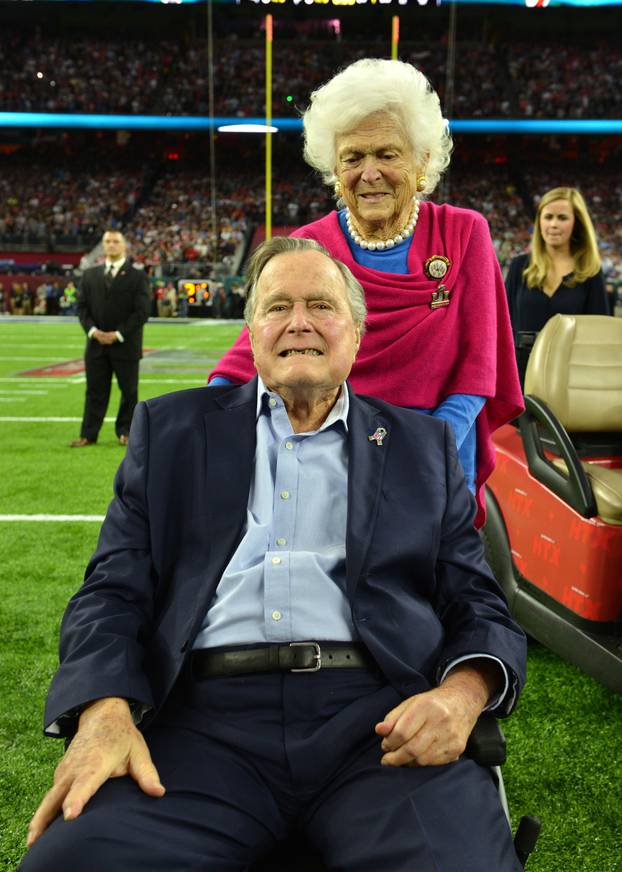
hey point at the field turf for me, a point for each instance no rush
(564, 740)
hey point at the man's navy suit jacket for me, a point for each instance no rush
(420, 590)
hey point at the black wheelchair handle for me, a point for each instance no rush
(526, 837)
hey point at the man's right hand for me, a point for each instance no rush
(103, 337)
(107, 745)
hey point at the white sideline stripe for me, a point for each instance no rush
(55, 346)
(22, 392)
(15, 357)
(61, 518)
(172, 381)
(213, 322)
(37, 381)
(16, 420)
(12, 399)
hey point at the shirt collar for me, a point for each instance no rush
(115, 264)
(339, 411)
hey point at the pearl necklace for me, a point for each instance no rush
(389, 243)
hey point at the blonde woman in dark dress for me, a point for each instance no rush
(560, 274)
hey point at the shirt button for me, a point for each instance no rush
(276, 560)
(276, 615)
(289, 445)
(272, 403)
(281, 541)
(284, 495)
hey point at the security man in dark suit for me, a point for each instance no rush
(113, 305)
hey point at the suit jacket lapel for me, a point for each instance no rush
(231, 427)
(365, 476)
(122, 271)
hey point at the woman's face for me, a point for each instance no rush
(557, 223)
(377, 172)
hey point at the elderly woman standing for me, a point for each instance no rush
(560, 275)
(438, 333)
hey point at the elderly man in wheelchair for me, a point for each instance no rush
(288, 625)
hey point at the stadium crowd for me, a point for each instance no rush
(170, 231)
(129, 76)
(175, 223)
(60, 204)
(166, 210)
(557, 81)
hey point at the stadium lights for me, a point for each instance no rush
(247, 128)
(136, 122)
(343, 4)
(194, 122)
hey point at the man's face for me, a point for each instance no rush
(303, 334)
(114, 245)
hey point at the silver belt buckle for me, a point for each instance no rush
(317, 656)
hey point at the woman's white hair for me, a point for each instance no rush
(374, 85)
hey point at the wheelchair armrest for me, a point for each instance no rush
(486, 743)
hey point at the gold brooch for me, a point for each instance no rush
(440, 297)
(436, 267)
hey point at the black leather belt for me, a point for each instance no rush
(295, 657)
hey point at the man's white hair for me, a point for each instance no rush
(374, 85)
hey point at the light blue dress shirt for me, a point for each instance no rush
(286, 580)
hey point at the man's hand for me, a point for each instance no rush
(433, 728)
(105, 337)
(107, 745)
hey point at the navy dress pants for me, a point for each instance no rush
(246, 759)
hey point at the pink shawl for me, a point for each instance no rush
(413, 355)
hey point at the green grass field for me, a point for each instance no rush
(564, 741)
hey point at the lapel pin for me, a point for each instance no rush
(440, 297)
(378, 436)
(436, 267)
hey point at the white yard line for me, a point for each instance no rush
(49, 359)
(214, 322)
(55, 346)
(62, 518)
(22, 392)
(12, 399)
(15, 420)
(172, 381)
(37, 381)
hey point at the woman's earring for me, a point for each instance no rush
(337, 188)
(421, 183)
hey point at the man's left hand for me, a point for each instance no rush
(432, 728)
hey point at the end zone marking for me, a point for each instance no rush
(64, 368)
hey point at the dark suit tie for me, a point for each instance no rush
(108, 277)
